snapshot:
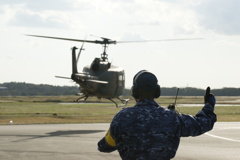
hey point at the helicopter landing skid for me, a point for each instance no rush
(81, 97)
(124, 102)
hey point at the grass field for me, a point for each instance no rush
(61, 109)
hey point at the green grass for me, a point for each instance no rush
(59, 109)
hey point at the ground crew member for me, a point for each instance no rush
(148, 131)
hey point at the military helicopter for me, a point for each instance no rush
(101, 79)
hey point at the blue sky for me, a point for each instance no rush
(213, 61)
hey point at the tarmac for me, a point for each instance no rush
(79, 142)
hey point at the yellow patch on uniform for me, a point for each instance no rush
(109, 139)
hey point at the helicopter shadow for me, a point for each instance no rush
(68, 133)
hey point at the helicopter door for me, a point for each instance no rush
(121, 83)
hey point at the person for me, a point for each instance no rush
(148, 131)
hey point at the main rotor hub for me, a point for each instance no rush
(105, 42)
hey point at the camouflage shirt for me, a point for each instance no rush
(150, 132)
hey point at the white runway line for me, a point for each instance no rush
(224, 138)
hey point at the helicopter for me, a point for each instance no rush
(101, 79)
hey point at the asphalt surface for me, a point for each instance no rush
(79, 142)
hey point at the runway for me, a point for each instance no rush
(79, 141)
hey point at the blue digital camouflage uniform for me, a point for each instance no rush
(150, 132)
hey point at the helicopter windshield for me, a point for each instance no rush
(121, 79)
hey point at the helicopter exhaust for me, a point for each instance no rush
(74, 61)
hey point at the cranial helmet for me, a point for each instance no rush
(147, 81)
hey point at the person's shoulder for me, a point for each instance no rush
(162, 109)
(124, 113)
(127, 109)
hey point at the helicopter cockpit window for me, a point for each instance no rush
(121, 79)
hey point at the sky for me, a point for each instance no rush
(212, 61)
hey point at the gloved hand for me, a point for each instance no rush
(209, 97)
(171, 106)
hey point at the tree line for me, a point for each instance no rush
(28, 89)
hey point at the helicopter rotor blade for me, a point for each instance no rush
(140, 41)
(100, 37)
(109, 41)
(66, 39)
(103, 42)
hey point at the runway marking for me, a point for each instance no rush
(224, 138)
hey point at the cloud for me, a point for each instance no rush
(131, 37)
(183, 16)
(35, 14)
(62, 13)
(40, 5)
(26, 19)
(221, 16)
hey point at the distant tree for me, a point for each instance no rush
(227, 92)
(29, 89)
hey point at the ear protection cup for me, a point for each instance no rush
(134, 92)
(158, 92)
(134, 88)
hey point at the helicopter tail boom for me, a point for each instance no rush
(74, 61)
